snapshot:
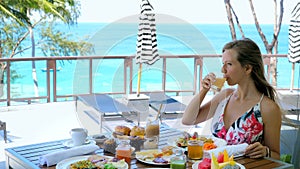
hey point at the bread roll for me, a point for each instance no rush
(123, 129)
(137, 131)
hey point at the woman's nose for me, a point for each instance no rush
(223, 69)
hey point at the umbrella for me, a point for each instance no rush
(146, 41)
(294, 40)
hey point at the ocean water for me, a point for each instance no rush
(120, 39)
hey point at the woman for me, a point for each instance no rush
(247, 113)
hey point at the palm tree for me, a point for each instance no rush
(29, 14)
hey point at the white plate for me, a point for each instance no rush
(65, 164)
(217, 141)
(195, 165)
(141, 158)
(69, 143)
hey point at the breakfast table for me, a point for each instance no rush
(27, 157)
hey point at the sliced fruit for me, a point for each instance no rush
(220, 158)
(214, 162)
(226, 158)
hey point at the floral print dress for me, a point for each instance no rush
(246, 129)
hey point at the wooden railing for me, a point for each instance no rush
(128, 74)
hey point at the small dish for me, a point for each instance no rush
(69, 143)
(99, 138)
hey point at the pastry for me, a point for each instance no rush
(122, 130)
(137, 131)
(110, 146)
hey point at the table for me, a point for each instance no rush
(26, 157)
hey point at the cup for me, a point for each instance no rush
(78, 136)
(195, 149)
(218, 83)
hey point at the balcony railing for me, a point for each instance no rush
(123, 77)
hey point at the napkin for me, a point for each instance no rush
(57, 156)
(235, 150)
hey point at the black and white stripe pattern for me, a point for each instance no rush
(294, 35)
(147, 51)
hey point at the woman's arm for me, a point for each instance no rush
(271, 115)
(195, 112)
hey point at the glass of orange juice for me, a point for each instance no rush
(124, 151)
(218, 83)
(195, 150)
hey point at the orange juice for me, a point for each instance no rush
(124, 151)
(124, 154)
(195, 150)
(218, 84)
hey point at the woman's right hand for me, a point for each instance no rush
(208, 80)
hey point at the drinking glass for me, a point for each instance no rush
(195, 150)
(218, 83)
(152, 128)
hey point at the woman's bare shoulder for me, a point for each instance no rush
(270, 108)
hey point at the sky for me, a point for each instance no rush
(192, 11)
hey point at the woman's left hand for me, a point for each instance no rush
(256, 150)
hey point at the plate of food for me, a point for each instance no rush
(91, 162)
(201, 165)
(155, 156)
(222, 160)
(209, 141)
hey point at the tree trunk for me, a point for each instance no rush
(230, 21)
(34, 76)
(274, 43)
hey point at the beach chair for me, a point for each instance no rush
(3, 127)
(164, 104)
(93, 109)
(290, 137)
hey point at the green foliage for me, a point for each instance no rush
(24, 21)
(11, 33)
(50, 41)
(57, 43)
(286, 158)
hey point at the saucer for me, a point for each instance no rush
(69, 143)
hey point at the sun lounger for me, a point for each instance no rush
(164, 104)
(96, 107)
(169, 105)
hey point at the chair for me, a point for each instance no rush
(92, 109)
(290, 138)
(164, 104)
(3, 127)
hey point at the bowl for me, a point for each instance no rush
(99, 138)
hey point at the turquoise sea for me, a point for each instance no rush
(173, 39)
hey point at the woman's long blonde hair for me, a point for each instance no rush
(249, 54)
